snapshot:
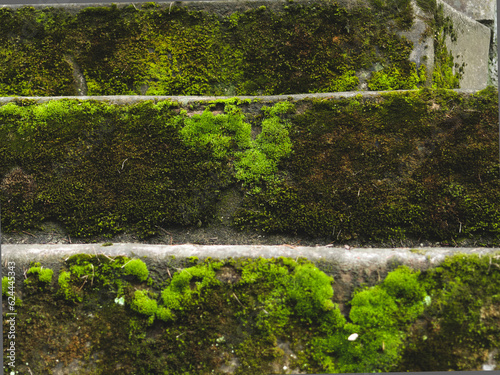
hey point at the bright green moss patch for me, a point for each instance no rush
(144, 304)
(67, 291)
(44, 274)
(218, 133)
(5, 285)
(264, 314)
(201, 49)
(136, 267)
(37, 276)
(392, 79)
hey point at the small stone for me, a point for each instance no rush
(353, 337)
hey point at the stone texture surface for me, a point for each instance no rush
(347, 260)
(423, 49)
(484, 11)
(494, 53)
(472, 48)
(479, 10)
(130, 99)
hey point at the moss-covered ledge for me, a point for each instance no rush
(394, 168)
(221, 48)
(107, 311)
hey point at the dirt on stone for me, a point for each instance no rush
(217, 234)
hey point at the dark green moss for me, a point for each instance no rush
(406, 166)
(463, 313)
(143, 174)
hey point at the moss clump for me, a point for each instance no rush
(85, 273)
(228, 136)
(260, 162)
(461, 326)
(44, 274)
(66, 290)
(379, 316)
(5, 285)
(179, 293)
(41, 277)
(218, 133)
(311, 291)
(392, 79)
(143, 304)
(138, 268)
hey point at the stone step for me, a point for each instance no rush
(220, 49)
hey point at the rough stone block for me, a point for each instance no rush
(482, 10)
(471, 48)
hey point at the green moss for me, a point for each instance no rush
(218, 133)
(463, 311)
(137, 268)
(300, 174)
(5, 285)
(331, 185)
(78, 204)
(164, 314)
(179, 292)
(66, 290)
(143, 304)
(193, 50)
(379, 316)
(255, 311)
(392, 79)
(311, 291)
(41, 277)
(260, 162)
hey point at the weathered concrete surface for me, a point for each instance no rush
(480, 10)
(130, 99)
(472, 47)
(423, 49)
(420, 258)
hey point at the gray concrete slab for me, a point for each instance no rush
(472, 48)
(129, 99)
(482, 10)
(418, 258)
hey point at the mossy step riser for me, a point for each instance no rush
(247, 316)
(419, 166)
(216, 49)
